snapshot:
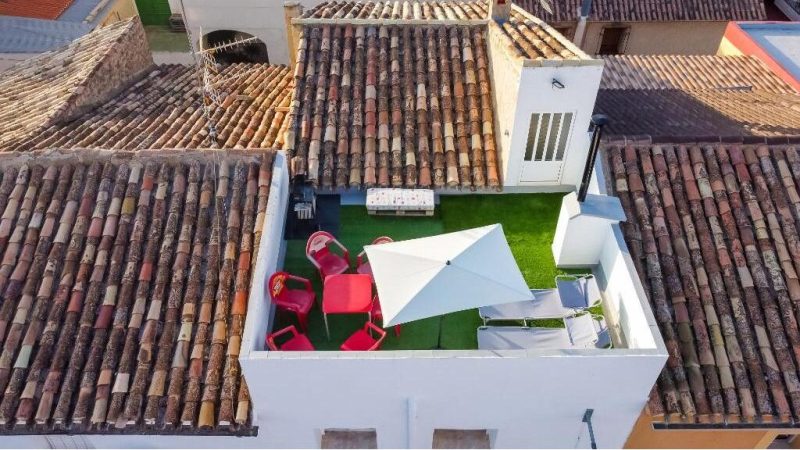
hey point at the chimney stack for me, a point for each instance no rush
(291, 10)
(500, 10)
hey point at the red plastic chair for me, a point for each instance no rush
(319, 253)
(363, 341)
(377, 313)
(362, 265)
(298, 301)
(297, 343)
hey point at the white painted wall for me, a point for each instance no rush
(537, 95)
(261, 18)
(269, 255)
(505, 73)
(523, 87)
(528, 399)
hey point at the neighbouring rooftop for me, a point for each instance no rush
(528, 220)
(672, 97)
(712, 230)
(780, 41)
(57, 86)
(35, 26)
(655, 10)
(164, 110)
(125, 279)
(407, 102)
(39, 9)
(527, 36)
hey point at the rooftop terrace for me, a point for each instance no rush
(529, 221)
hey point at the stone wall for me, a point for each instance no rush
(126, 61)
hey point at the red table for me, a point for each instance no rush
(346, 294)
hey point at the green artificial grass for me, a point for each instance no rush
(163, 39)
(529, 222)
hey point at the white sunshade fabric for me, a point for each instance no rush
(436, 275)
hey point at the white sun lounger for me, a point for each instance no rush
(582, 331)
(587, 331)
(546, 304)
(517, 338)
(578, 291)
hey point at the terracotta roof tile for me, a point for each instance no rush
(680, 96)
(655, 10)
(163, 110)
(106, 259)
(39, 9)
(398, 105)
(399, 10)
(527, 36)
(51, 87)
(690, 72)
(713, 233)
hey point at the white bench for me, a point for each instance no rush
(400, 202)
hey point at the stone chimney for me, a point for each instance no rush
(291, 10)
(499, 10)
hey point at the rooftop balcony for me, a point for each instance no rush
(529, 221)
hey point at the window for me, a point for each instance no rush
(547, 136)
(460, 439)
(613, 40)
(346, 438)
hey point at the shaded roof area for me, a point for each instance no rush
(527, 36)
(674, 97)
(395, 105)
(25, 35)
(164, 110)
(125, 279)
(39, 9)
(713, 232)
(57, 85)
(645, 11)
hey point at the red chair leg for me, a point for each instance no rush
(397, 330)
(302, 319)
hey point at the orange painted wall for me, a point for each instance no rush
(644, 436)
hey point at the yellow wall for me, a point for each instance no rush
(644, 436)
(726, 48)
(649, 38)
(121, 10)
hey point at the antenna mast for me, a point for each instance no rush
(208, 73)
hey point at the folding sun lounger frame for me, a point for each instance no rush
(545, 305)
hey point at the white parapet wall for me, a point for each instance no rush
(263, 19)
(269, 258)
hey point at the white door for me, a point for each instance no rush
(546, 148)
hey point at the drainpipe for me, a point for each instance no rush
(580, 30)
(291, 10)
(598, 121)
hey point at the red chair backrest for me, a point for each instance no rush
(381, 335)
(317, 244)
(277, 285)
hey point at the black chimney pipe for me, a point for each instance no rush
(598, 121)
